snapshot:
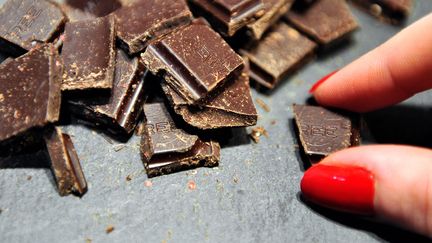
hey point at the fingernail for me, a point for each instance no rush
(343, 188)
(322, 80)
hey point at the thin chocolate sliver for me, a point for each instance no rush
(30, 91)
(231, 107)
(323, 131)
(143, 21)
(24, 24)
(229, 16)
(88, 54)
(166, 148)
(194, 61)
(325, 21)
(281, 51)
(126, 101)
(65, 164)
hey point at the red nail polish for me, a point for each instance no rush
(319, 82)
(343, 188)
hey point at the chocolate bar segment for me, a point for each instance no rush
(322, 131)
(231, 107)
(394, 10)
(142, 21)
(65, 164)
(30, 91)
(194, 61)
(88, 54)
(228, 16)
(166, 148)
(280, 52)
(126, 101)
(24, 24)
(325, 21)
(274, 9)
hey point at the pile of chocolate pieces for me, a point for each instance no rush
(169, 70)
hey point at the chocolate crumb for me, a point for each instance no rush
(262, 104)
(257, 132)
(128, 178)
(148, 183)
(191, 185)
(109, 229)
(29, 178)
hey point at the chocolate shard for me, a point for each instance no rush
(322, 131)
(126, 101)
(65, 164)
(77, 10)
(393, 10)
(142, 21)
(230, 107)
(229, 16)
(88, 54)
(274, 9)
(166, 148)
(281, 51)
(194, 61)
(24, 24)
(325, 21)
(30, 91)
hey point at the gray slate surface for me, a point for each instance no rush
(253, 196)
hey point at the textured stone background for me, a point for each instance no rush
(253, 196)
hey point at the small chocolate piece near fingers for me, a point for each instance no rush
(322, 131)
(65, 164)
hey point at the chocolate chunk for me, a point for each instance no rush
(274, 9)
(194, 61)
(392, 10)
(325, 21)
(24, 24)
(230, 107)
(30, 91)
(143, 21)
(166, 148)
(126, 101)
(322, 131)
(280, 52)
(88, 54)
(228, 16)
(65, 164)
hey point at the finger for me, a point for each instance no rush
(387, 75)
(392, 182)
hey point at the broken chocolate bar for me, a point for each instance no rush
(30, 91)
(126, 100)
(24, 24)
(228, 16)
(281, 51)
(395, 10)
(322, 131)
(274, 9)
(143, 21)
(231, 107)
(88, 54)
(65, 164)
(194, 61)
(166, 148)
(325, 21)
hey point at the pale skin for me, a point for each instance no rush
(387, 75)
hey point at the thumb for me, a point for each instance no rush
(391, 182)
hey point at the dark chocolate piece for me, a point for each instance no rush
(30, 91)
(228, 16)
(82, 9)
(143, 21)
(194, 61)
(231, 107)
(323, 131)
(88, 54)
(24, 24)
(127, 97)
(166, 148)
(281, 51)
(325, 21)
(393, 10)
(274, 9)
(65, 164)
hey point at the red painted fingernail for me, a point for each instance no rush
(322, 80)
(343, 188)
